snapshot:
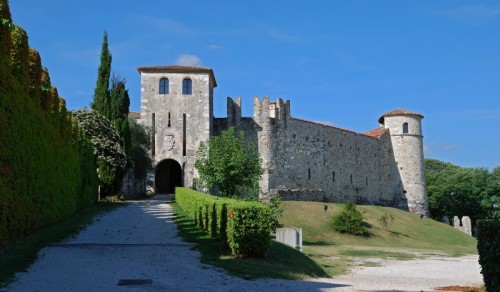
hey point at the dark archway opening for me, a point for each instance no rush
(168, 175)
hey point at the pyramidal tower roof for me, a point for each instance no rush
(399, 112)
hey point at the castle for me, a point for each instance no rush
(302, 160)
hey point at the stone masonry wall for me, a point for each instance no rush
(169, 110)
(304, 160)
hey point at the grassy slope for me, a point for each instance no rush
(409, 236)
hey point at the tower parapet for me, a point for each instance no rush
(405, 130)
(233, 111)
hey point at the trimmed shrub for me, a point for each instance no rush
(248, 229)
(349, 220)
(488, 246)
(243, 227)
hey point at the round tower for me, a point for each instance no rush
(405, 130)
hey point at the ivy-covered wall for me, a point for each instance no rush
(47, 168)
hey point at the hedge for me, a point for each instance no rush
(47, 168)
(243, 227)
(488, 246)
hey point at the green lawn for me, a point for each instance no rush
(409, 236)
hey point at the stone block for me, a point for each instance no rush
(290, 236)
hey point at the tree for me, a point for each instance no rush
(119, 109)
(227, 165)
(492, 202)
(456, 191)
(101, 103)
(349, 220)
(111, 159)
(140, 144)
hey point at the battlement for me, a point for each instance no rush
(263, 109)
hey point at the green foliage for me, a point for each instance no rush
(457, 191)
(228, 165)
(44, 172)
(242, 226)
(140, 152)
(35, 75)
(101, 102)
(120, 103)
(281, 261)
(386, 221)
(349, 220)
(488, 246)
(275, 212)
(248, 229)
(108, 152)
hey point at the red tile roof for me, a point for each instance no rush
(135, 115)
(179, 69)
(376, 133)
(399, 112)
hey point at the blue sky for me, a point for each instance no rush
(339, 62)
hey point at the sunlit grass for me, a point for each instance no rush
(409, 236)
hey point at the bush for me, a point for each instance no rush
(386, 221)
(488, 246)
(349, 220)
(243, 227)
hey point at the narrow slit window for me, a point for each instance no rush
(351, 179)
(183, 134)
(168, 125)
(153, 134)
(308, 173)
(187, 86)
(405, 128)
(333, 176)
(164, 86)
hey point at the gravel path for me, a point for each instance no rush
(139, 242)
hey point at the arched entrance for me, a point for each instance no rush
(168, 175)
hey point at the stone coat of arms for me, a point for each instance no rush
(169, 142)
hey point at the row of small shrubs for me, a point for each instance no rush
(242, 226)
(488, 246)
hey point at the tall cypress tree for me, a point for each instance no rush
(101, 102)
(120, 102)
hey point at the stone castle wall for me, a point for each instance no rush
(303, 160)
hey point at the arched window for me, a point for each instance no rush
(187, 86)
(164, 86)
(405, 128)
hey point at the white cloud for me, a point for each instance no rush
(432, 146)
(214, 47)
(188, 60)
(474, 15)
(282, 36)
(166, 25)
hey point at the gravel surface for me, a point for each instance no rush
(139, 242)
